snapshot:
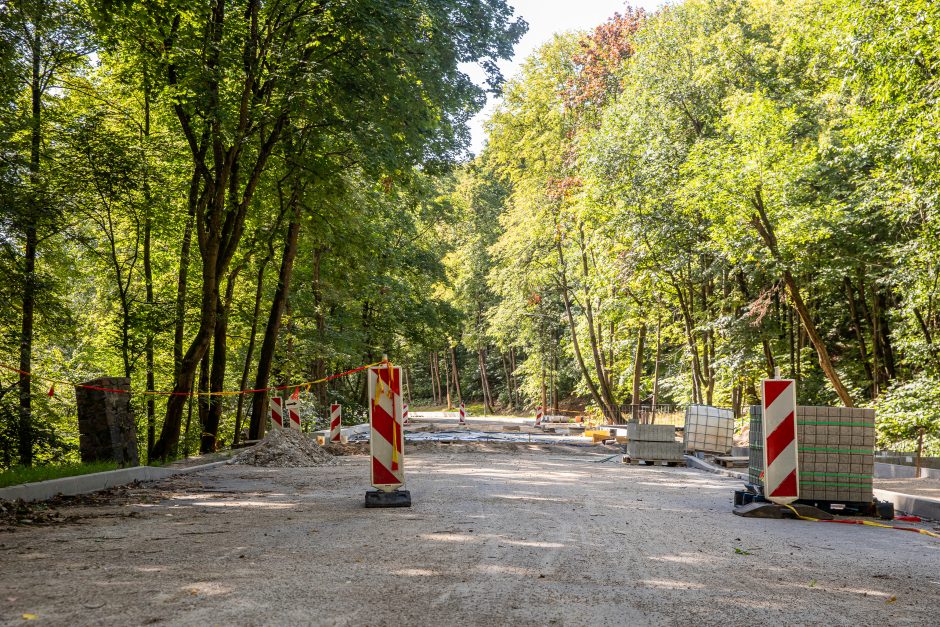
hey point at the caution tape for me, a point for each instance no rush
(305, 384)
(868, 523)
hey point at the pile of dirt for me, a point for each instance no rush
(338, 449)
(284, 448)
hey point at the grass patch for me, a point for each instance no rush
(21, 474)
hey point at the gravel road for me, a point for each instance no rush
(524, 537)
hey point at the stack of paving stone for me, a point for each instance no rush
(708, 429)
(837, 446)
(652, 443)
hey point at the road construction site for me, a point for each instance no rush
(498, 532)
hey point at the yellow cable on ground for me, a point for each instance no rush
(869, 523)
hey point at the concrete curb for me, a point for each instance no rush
(93, 482)
(701, 464)
(922, 506)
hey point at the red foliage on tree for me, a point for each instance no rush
(602, 54)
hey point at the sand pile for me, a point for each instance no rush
(284, 448)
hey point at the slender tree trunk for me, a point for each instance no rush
(148, 273)
(210, 430)
(183, 278)
(25, 426)
(447, 378)
(692, 343)
(884, 333)
(252, 335)
(659, 345)
(575, 345)
(544, 400)
(456, 373)
(509, 390)
(765, 229)
(266, 357)
(555, 410)
(928, 337)
(484, 382)
(859, 334)
(605, 385)
(638, 371)
(434, 390)
(407, 383)
(920, 453)
(203, 400)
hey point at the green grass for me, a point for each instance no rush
(20, 474)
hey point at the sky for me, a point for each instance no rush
(545, 18)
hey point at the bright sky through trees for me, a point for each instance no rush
(546, 18)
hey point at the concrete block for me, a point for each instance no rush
(650, 451)
(107, 431)
(651, 433)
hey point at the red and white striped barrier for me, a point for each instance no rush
(781, 452)
(462, 418)
(292, 407)
(387, 442)
(404, 413)
(335, 422)
(277, 411)
(539, 413)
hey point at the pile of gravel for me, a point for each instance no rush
(284, 448)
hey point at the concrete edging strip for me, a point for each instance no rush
(700, 464)
(93, 482)
(922, 506)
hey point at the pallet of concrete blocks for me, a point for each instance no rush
(837, 448)
(653, 444)
(708, 429)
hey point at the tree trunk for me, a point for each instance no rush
(605, 385)
(509, 391)
(692, 343)
(859, 335)
(148, 273)
(659, 344)
(762, 225)
(484, 382)
(25, 426)
(456, 373)
(319, 366)
(252, 335)
(575, 345)
(434, 390)
(638, 371)
(210, 430)
(447, 378)
(407, 383)
(202, 400)
(266, 357)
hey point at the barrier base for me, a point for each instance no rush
(766, 509)
(396, 498)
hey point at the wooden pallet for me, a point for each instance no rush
(732, 462)
(652, 462)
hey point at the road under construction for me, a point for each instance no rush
(498, 532)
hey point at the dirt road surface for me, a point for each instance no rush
(549, 537)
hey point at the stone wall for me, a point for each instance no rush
(106, 427)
